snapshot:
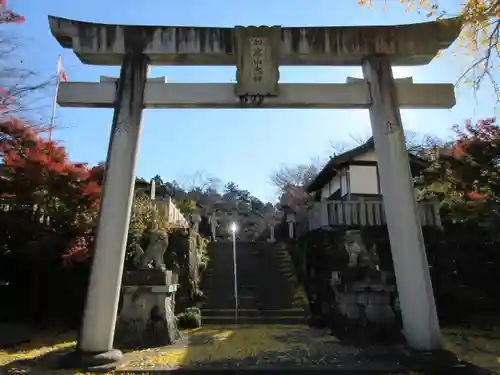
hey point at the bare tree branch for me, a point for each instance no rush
(19, 84)
(294, 176)
(200, 180)
(479, 39)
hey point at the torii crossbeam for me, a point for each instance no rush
(292, 95)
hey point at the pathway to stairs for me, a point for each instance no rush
(276, 348)
(266, 291)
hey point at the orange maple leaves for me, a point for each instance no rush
(40, 171)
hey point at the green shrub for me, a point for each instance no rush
(202, 252)
(193, 310)
(190, 318)
(145, 218)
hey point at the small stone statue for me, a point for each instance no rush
(374, 273)
(354, 247)
(195, 222)
(374, 258)
(362, 258)
(154, 252)
(137, 251)
(147, 316)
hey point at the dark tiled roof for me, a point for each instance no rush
(338, 162)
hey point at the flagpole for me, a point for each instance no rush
(54, 101)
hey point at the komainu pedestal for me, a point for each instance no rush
(363, 294)
(147, 317)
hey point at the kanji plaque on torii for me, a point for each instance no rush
(257, 64)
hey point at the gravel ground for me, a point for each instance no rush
(266, 347)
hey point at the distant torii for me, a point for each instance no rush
(8, 16)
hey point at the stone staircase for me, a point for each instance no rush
(266, 291)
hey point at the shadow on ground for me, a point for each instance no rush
(38, 356)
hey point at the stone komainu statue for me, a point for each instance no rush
(153, 256)
(137, 251)
(360, 257)
(354, 246)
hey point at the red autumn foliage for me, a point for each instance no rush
(477, 154)
(466, 176)
(79, 250)
(473, 196)
(62, 196)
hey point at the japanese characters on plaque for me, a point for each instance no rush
(257, 50)
(257, 60)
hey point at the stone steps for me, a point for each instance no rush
(230, 319)
(254, 313)
(242, 289)
(245, 302)
(264, 290)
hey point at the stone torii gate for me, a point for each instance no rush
(257, 52)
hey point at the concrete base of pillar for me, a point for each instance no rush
(91, 361)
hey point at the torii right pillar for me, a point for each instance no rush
(420, 321)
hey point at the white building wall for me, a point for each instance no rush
(325, 192)
(363, 179)
(334, 184)
(331, 188)
(356, 179)
(344, 186)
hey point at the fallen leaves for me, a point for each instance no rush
(214, 344)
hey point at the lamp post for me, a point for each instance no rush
(234, 228)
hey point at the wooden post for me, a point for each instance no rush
(437, 215)
(324, 213)
(213, 225)
(152, 191)
(291, 222)
(271, 232)
(418, 308)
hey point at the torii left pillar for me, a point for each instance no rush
(97, 331)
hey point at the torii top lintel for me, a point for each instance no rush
(105, 44)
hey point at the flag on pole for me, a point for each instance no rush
(8, 16)
(61, 76)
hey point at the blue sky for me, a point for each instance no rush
(245, 146)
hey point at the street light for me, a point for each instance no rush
(233, 229)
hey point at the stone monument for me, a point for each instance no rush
(272, 218)
(147, 317)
